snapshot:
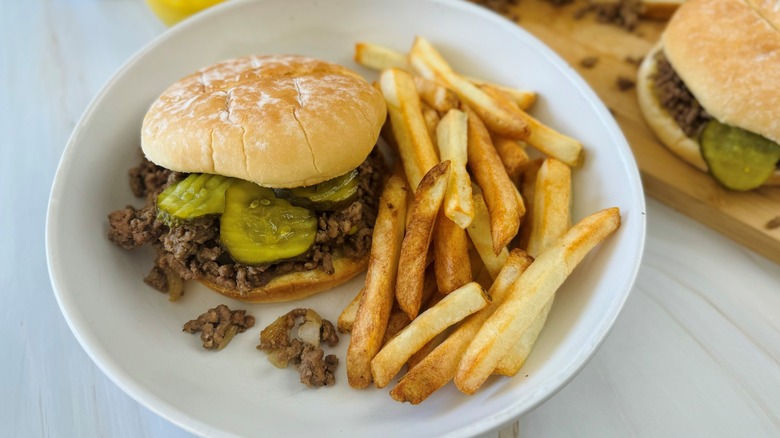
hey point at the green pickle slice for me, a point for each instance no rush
(326, 196)
(738, 159)
(257, 227)
(197, 195)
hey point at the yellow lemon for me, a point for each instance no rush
(173, 11)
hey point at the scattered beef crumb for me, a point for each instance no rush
(589, 61)
(328, 334)
(314, 367)
(623, 13)
(773, 223)
(636, 61)
(624, 83)
(219, 325)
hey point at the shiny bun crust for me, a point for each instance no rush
(662, 123)
(728, 54)
(278, 121)
(297, 285)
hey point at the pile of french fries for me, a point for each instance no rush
(472, 239)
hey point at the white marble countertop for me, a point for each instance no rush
(696, 351)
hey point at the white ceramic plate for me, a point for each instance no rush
(134, 334)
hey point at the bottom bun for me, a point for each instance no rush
(299, 284)
(664, 125)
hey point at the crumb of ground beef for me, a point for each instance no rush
(589, 61)
(634, 60)
(219, 325)
(623, 13)
(314, 367)
(773, 223)
(625, 84)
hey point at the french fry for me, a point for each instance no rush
(347, 316)
(501, 116)
(512, 155)
(432, 119)
(452, 134)
(430, 301)
(411, 264)
(552, 218)
(506, 209)
(450, 255)
(387, 135)
(554, 144)
(409, 129)
(552, 197)
(479, 272)
(527, 189)
(479, 233)
(439, 97)
(430, 289)
(547, 140)
(379, 57)
(439, 366)
(511, 363)
(426, 349)
(370, 322)
(451, 309)
(397, 321)
(524, 99)
(528, 296)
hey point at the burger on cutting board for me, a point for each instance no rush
(710, 89)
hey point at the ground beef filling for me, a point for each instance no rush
(193, 250)
(677, 99)
(623, 13)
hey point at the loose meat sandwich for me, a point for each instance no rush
(261, 178)
(711, 89)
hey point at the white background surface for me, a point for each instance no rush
(696, 351)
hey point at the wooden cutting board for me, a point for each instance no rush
(741, 216)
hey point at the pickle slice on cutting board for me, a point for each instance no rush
(738, 159)
(197, 195)
(257, 227)
(326, 196)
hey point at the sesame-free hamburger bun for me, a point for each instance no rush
(727, 54)
(278, 121)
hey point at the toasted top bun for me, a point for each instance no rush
(769, 9)
(664, 125)
(278, 121)
(297, 285)
(728, 55)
